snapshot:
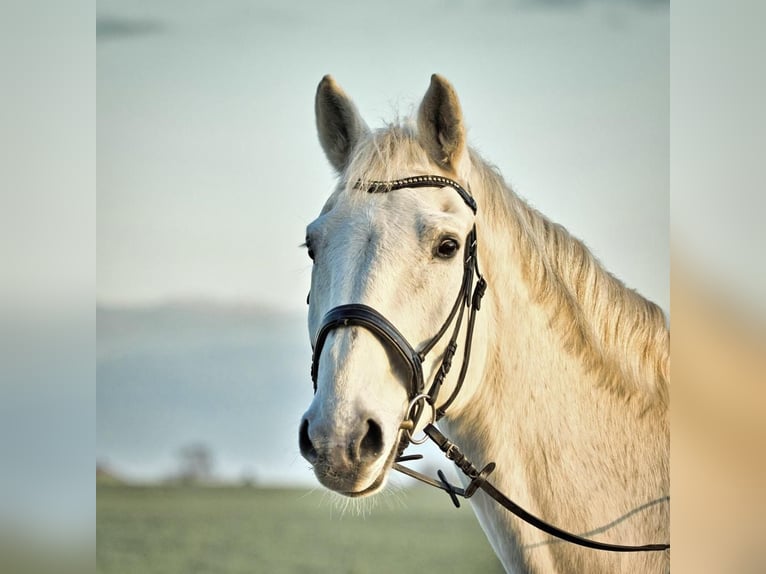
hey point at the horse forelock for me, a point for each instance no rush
(389, 153)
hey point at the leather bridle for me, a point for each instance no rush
(469, 296)
(357, 314)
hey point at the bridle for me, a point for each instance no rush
(357, 314)
(472, 290)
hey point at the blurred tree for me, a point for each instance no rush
(248, 478)
(195, 463)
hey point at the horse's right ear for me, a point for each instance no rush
(339, 124)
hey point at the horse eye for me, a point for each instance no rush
(447, 248)
(309, 249)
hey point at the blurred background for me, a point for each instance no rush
(209, 170)
(206, 147)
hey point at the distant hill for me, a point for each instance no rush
(180, 316)
(184, 323)
(105, 476)
(235, 377)
(232, 377)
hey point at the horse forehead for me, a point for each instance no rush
(370, 244)
(374, 215)
(367, 229)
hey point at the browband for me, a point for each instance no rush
(417, 181)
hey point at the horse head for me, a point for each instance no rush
(397, 253)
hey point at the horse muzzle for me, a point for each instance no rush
(345, 458)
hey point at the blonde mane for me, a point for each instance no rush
(622, 337)
(619, 335)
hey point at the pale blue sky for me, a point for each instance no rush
(209, 168)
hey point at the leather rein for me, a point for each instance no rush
(469, 297)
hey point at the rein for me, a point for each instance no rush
(479, 481)
(469, 296)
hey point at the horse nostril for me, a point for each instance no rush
(372, 443)
(307, 448)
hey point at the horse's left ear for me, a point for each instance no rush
(440, 124)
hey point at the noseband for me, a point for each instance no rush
(358, 314)
(469, 296)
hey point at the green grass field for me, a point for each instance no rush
(168, 530)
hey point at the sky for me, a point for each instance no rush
(209, 167)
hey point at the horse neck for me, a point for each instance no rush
(553, 413)
(556, 317)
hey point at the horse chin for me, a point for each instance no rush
(353, 488)
(356, 489)
(376, 486)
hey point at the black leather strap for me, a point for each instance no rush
(362, 315)
(540, 524)
(418, 181)
(472, 300)
(479, 481)
(367, 317)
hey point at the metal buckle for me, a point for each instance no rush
(408, 428)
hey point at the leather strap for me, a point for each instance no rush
(479, 481)
(370, 319)
(362, 315)
(418, 181)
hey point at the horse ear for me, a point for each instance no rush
(440, 124)
(339, 124)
